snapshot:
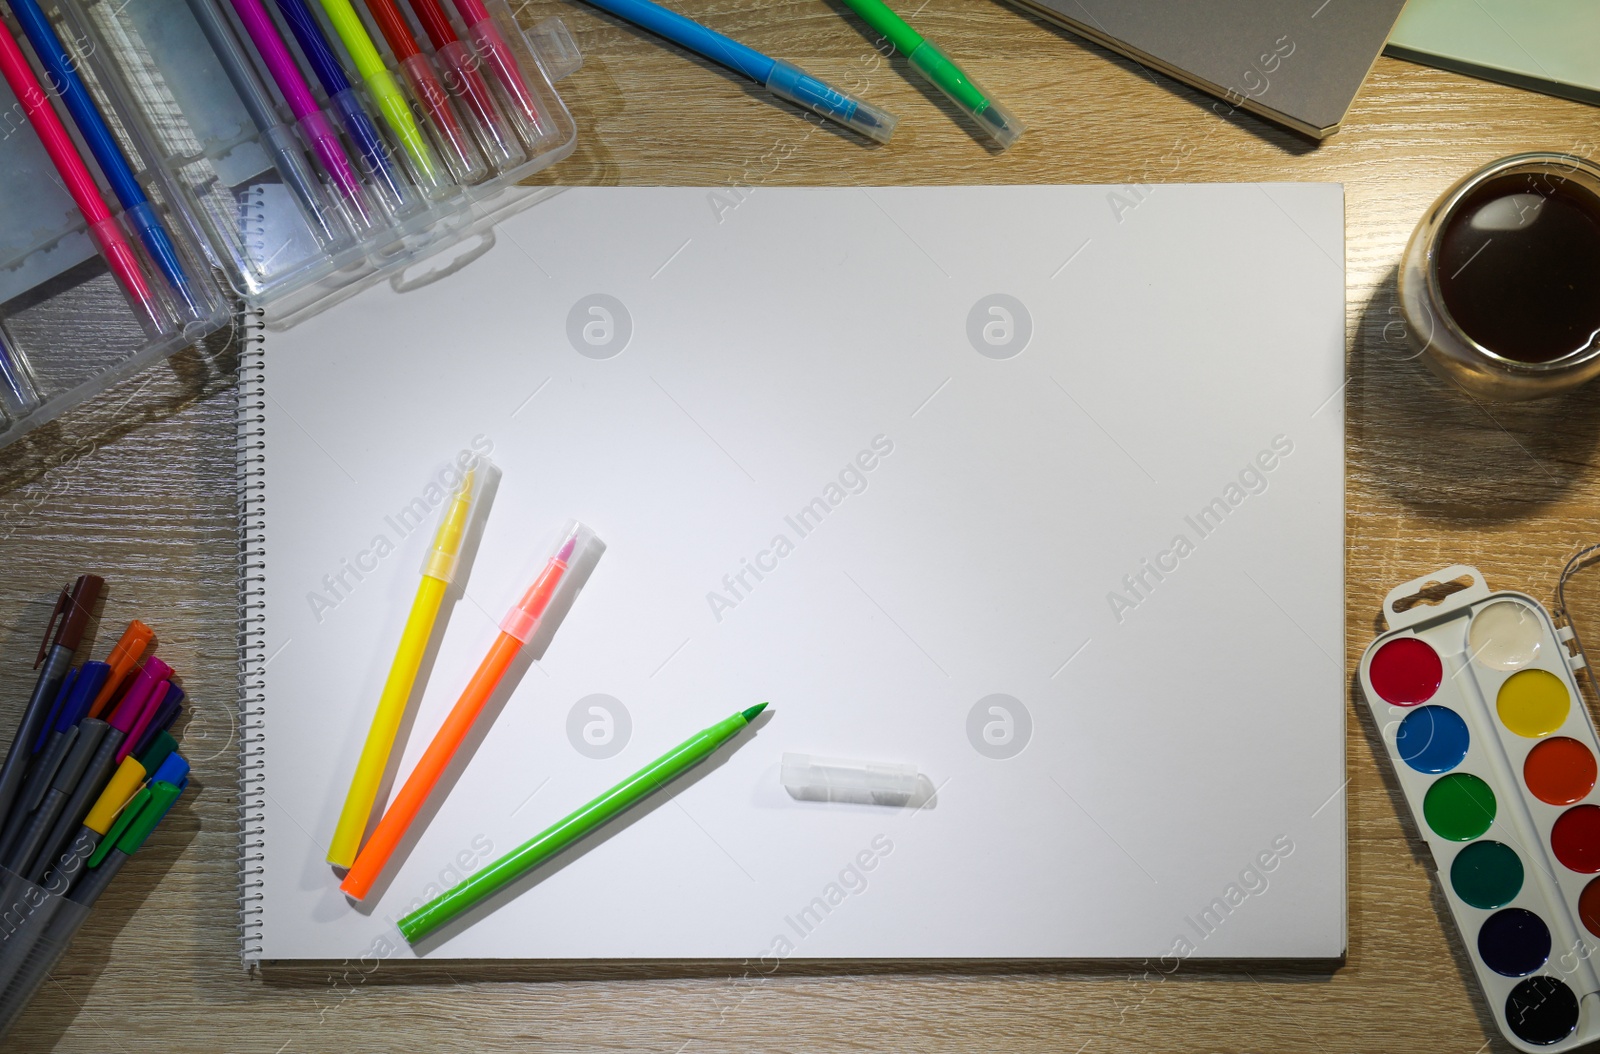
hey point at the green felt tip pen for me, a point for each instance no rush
(941, 72)
(565, 832)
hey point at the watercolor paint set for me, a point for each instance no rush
(156, 155)
(1476, 700)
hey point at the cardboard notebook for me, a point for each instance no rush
(1036, 488)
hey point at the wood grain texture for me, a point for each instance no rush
(140, 487)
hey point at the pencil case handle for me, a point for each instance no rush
(1421, 599)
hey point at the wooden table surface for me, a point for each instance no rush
(141, 488)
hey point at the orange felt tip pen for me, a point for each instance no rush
(515, 630)
(123, 658)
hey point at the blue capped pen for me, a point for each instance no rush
(782, 79)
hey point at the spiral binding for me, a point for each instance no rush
(250, 462)
(253, 224)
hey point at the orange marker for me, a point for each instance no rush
(515, 629)
(123, 658)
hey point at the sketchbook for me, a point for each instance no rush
(1038, 489)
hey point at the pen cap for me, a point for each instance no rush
(76, 691)
(130, 812)
(392, 192)
(145, 291)
(128, 650)
(163, 795)
(133, 704)
(91, 676)
(58, 706)
(73, 610)
(120, 789)
(810, 778)
(465, 81)
(578, 544)
(937, 69)
(161, 747)
(161, 720)
(175, 769)
(444, 555)
(157, 696)
(130, 646)
(788, 81)
(460, 153)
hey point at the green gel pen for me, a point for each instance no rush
(941, 72)
(562, 833)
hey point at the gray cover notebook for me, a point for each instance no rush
(1298, 63)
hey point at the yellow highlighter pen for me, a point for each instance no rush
(438, 570)
(387, 94)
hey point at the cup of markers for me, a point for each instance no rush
(91, 771)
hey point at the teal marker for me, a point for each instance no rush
(941, 72)
(562, 833)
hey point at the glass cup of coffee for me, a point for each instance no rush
(1500, 284)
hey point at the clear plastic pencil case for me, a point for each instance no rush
(35, 929)
(1475, 697)
(84, 305)
(296, 195)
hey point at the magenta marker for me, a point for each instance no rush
(140, 702)
(134, 733)
(315, 127)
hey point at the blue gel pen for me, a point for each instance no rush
(376, 156)
(64, 79)
(782, 79)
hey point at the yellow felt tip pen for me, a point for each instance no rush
(438, 570)
(385, 91)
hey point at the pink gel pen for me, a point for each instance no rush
(485, 35)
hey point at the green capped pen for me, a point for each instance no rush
(138, 819)
(564, 832)
(937, 67)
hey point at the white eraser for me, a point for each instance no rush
(809, 778)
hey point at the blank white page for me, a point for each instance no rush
(1037, 488)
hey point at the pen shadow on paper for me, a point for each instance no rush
(572, 584)
(1420, 856)
(70, 984)
(1452, 457)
